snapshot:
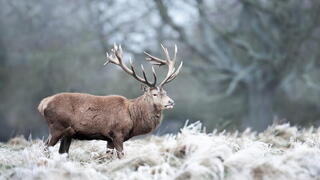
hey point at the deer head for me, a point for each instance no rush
(153, 92)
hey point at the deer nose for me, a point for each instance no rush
(171, 102)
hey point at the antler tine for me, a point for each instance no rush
(154, 76)
(174, 75)
(175, 52)
(172, 72)
(132, 69)
(116, 58)
(144, 75)
(108, 61)
(166, 52)
(154, 60)
(111, 59)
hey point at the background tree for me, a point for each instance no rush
(258, 44)
(246, 61)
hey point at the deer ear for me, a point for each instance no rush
(144, 87)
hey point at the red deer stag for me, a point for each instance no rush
(114, 119)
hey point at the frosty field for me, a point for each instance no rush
(281, 152)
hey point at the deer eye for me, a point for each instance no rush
(155, 94)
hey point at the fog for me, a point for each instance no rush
(247, 63)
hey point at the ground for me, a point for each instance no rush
(280, 152)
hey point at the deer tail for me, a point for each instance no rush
(43, 105)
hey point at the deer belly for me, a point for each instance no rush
(88, 128)
(89, 136)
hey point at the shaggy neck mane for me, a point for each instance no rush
(145, 114)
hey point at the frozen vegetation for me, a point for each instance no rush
(280, 152)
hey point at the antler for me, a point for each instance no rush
(172, 72)
(116, 58)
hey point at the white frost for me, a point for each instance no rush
(281, 152)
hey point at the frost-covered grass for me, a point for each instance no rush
(281, 152)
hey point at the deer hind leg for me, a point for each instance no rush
(48, 139)
(65, 144)
(54, 139)
(66, 140)
(46, 150)
(55, 133)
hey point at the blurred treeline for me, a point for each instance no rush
(246, 62)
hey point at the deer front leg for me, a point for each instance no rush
(110, 149)
(110, 146)
(118, 144)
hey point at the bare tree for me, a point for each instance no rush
(255, 43)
